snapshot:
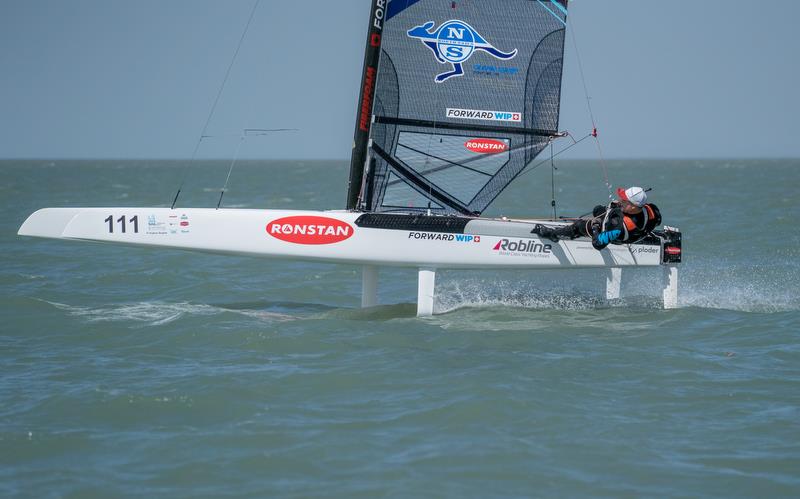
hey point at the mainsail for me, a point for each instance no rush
(467, 95)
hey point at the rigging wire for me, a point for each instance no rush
(589, 107)
(537, 165)
(251, 132)
(216, 101)
(553, 181)
(592, 134)
(247, 132)
(230, 170)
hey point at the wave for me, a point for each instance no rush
(737, 289)
(742, 297)
(159, 313)
(742, 288)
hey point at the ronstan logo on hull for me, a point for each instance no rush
(304, 229)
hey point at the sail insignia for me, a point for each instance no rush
(455, 41)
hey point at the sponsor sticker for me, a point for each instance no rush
(530, 248)
(173, 224)
(184, 223)
(477, 114)
(492, 70)
(486, 146)
(439, 236)
(305, 229)
(155, 226)
(647, 249)
(366, 102)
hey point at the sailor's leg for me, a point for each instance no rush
(613, 283)
(425, 294)
(369, 286)
(671, 286)
(556, 233)
(583, 227)
(571, 231)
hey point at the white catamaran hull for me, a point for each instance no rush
(371, 240)
(330, 236)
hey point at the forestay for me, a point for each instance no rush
(467, 95)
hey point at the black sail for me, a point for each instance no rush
(468, 93)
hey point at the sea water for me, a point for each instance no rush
(151, 372)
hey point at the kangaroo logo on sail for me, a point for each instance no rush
(309, 230)
(454, 42)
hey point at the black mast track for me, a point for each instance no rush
(471, 128)
(366, 99)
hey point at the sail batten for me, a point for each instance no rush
(469, 127)
(467, 94)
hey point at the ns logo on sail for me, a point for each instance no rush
(454, 42)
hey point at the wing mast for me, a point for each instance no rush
(366, 98)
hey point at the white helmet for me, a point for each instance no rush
(634, 195)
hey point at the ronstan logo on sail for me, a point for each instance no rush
(309, 230)
(486, 146)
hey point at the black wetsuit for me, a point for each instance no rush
(608, 224)
(642, 223)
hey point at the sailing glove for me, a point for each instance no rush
(602, 239)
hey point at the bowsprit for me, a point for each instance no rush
(454, 42)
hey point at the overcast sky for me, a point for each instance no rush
(137, 78)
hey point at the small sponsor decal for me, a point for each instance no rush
(155, 226)
(477, 114)
(184, 223)
(439, 236)
(647, 249)
(305, 229)
(529, 248)
(486, 146)
(366, 101)
(489, 70)
(671, 250)
(454, 42)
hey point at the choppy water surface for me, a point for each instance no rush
(131, 371)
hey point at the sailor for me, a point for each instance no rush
(623, 221)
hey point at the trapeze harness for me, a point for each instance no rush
(617, 226)
(633, 229)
